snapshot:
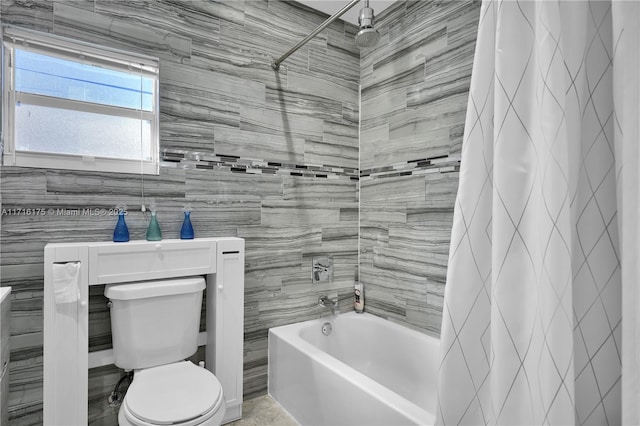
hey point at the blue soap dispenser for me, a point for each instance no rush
(121, 233)
(153, 231)
(186, 232)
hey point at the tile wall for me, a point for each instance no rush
(274, 158)
(268, 156)
(414, 91)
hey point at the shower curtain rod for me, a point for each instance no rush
(276, 63)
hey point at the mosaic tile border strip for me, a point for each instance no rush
(235, 164)
(422, 166)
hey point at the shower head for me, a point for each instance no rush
(367, 36)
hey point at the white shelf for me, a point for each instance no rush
(66, 358)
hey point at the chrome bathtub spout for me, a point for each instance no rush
(328, 303)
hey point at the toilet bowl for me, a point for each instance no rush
(175, 394)
(154, 328)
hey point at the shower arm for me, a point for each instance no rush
(276, 63)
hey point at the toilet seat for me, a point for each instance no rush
(214, 418)
(174, 394)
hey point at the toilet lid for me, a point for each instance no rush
(172, 393)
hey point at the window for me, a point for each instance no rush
(73, 105)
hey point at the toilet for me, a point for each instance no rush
(155, 326)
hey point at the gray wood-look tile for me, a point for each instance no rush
(218, 96)
(177, 132)
(319, 84)
(305, 104)
(278, 122)
(239, 53)
(319, 189)
(269, 146)
(269, 238)
(218, 87)
(79, 23)
(331, 152)
(35, 14)
(218, 185)
(198, 21)
(295, 213)
(414, 96)
(428, 144)
(402, 189)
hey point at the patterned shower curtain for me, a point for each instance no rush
(531, 330)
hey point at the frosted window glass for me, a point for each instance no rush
(50, 76)
(69, 100)
(54, 130)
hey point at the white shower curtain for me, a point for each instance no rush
(531, 330)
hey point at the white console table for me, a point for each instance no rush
(66, 337)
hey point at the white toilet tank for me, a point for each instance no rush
(155, 322)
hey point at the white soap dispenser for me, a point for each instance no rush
(358, 295)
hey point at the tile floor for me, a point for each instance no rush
(263, 411)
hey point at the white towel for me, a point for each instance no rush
(65, 282)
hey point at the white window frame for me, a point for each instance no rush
(81, 52)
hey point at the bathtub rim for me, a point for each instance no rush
(289, 334)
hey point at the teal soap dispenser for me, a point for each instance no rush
(186, 232)
(121, 232)
(153, 230)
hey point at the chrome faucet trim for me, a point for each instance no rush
(328, 303)
(322, 269)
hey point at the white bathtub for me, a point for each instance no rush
(368, 371)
